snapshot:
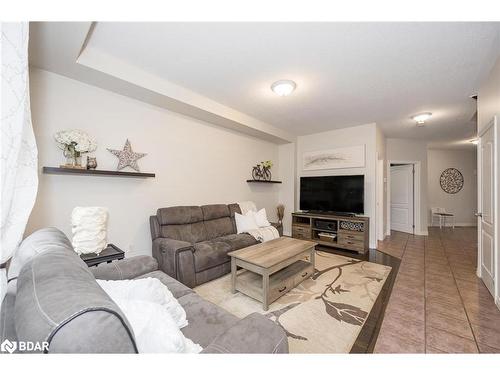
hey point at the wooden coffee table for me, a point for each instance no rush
(272, 268)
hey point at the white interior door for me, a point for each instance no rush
(402, 198)
(486, 214)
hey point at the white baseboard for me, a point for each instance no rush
(498, 302)
(449, 225)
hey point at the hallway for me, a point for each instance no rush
(438, 304)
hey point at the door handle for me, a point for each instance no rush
(478, 214)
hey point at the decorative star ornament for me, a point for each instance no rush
(127, 157)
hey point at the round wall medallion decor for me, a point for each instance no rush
(451, 181)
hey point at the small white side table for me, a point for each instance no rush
(444, 216)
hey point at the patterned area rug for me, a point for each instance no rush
(325, 313)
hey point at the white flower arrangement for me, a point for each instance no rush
(76, 139)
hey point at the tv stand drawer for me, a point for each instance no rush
(349, 236)
(351, 244)
(301, 232)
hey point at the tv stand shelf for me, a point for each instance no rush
(352, 232)
(324, 230)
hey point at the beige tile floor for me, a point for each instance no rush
(438, 304)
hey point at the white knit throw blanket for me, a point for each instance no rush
(264, 234)
(247, 206)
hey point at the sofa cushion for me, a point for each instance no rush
(192, 233)
(206, 320)
(252, 334)
(239, 241)
(177, 289)
(213, 273)
(219, 227)
(59, 301)
(179, 215)
(234, 208)
(215, 211)
(127, 268)
(210, 253)
(217, 219)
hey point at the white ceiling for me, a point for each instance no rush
(347, 73)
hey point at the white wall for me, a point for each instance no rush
(410, 150)
(287, 192)
(353, 136)
(195, 162)
(488, 99)
(464, 203)
(381, 146)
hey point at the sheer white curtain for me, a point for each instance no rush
(19, 178)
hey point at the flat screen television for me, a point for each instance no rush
(339, 194)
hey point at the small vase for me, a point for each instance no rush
(73, 157)
(78, 160)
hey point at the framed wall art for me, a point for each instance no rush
(451, 180)
(343, 157)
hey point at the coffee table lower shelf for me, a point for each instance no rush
(280, 283)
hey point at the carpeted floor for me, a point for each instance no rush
(324, 314)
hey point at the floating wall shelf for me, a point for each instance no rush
(95, 172)
(265, 182)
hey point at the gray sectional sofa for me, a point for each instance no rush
(191, 243)
(55, 298)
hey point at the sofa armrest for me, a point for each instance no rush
(175, 258)
(279, 227)
(253, 334)
(125, 269)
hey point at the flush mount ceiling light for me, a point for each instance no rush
(283, 87)
(422, 118)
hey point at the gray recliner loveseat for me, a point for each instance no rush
(191, 243)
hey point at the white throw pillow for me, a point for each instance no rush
(244, 223)
(261, 218)
(154, 329)
(148, 289)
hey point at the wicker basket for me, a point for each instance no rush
(327, 237)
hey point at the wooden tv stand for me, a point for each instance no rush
(351, 233)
